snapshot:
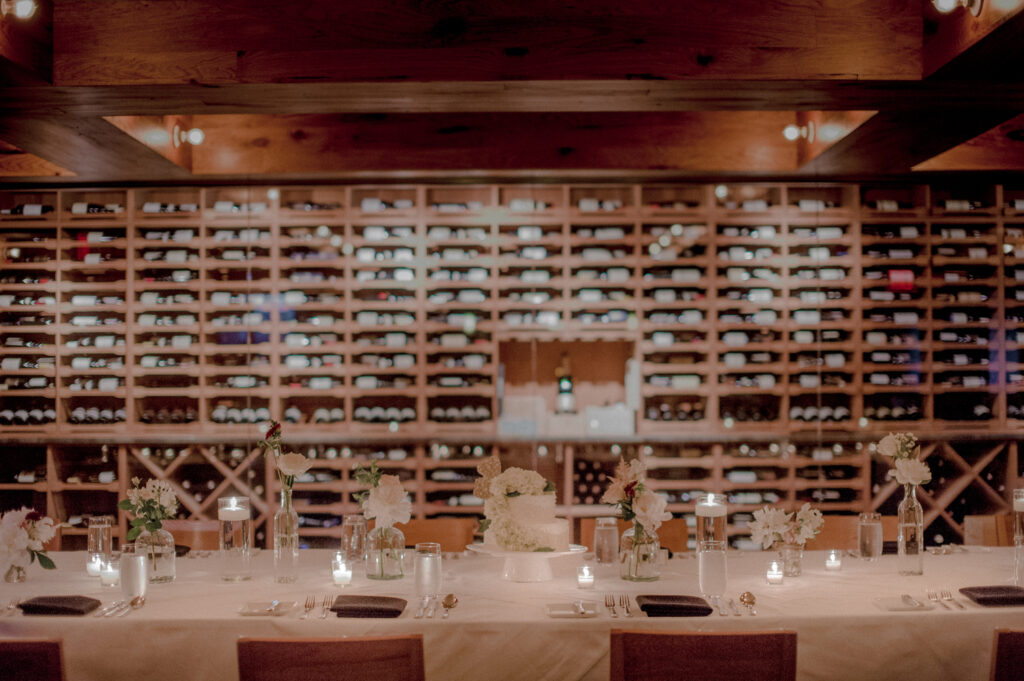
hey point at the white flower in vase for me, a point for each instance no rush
(388, 502)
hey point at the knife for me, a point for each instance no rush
(432, 608)
(423, 605)
(908, 600)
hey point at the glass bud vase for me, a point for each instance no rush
(14, 574)
(638, 555)
(385, 548)
(792, 557)
(158, 548)
(910, 537)
(286, 540)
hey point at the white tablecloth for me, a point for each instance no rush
(500, 630)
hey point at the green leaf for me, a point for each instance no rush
(549, 486)
(45, 562)
(513, 494)
(153, 525)
(484, 524)
(544, 549)
(138, 522)
(134, 533)
(124, 505)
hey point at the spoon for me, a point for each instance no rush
(135, 604)
(273, 606)
(449, 602)
(747, 599)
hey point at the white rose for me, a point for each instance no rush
(293, 464)
(387, 502)
(888, 446)
(912, 472)
(650, 510)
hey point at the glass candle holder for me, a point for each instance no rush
(235, 538)
(110, 571)
(774, 574)
(834, 560)
(341, 569)
(99, 542)
(585, 577)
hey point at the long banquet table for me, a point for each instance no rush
(500, 630)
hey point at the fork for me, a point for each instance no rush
(624, 602)
(310, 604)
(934, 598)
(947, 596)
(609, 602)
(10, 609)
(325, 607)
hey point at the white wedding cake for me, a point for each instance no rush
(519, 507)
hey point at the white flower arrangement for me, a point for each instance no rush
(774, 526)
(905, 452)
(637, 503)
(23, 533)
(385, 500)
(150, 505)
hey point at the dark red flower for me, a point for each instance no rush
(275, 429)
(34, 516)
(630, 489)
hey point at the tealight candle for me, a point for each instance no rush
(110, 573)
(585, 577)
(341, 571)
(833, 560)
(774, 575)
(92, 565)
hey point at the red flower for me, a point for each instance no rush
(33, 516)
(630, 489)
(275, 429)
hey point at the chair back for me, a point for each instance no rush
(453, 534)
(988, 530)
(382, 658)
(32, 660)
(198, 535)
(840, 532)
(703, 656)
(1007, 654)
(672, 535)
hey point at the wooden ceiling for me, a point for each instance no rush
(430, 89)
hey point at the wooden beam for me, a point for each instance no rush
(989, 47)
(26, 47)
(268, 41)
(92, 148)
(895, 142)
(158, 133)
(708, 142)
(16, 163)
(1001, 148)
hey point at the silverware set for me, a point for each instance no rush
(115, 609)
(944, 598)
(728, 606)
(623, 602)
(427, 608)
(311, 604)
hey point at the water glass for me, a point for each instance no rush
(606, 540)
(353, 538)
(869, 536)
(100, 540)
(235, 538)
(711, 572)
(427, 566)
(134, 574)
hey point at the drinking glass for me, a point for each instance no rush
(134, 575)
(353, 538)
(869, 536)
(99, 542)
(606, 540)
(427, 566)
(711, 568)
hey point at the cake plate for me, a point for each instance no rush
(525, 566)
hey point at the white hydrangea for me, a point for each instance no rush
(518, 480)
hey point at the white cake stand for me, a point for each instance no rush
(525, 566)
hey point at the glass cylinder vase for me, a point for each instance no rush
(792, 557)
(385, 548)
(158, 548)
(286, 540)
(910, 537)
(638, 555)
(14, 574)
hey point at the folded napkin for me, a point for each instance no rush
(59, 605)
(658, 605)
(994, 595)
(368, 606)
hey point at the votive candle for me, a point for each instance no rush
(341, 571)
(774, 574)
(833, 560)
(585, 577)
(92, 566)
(110, 574)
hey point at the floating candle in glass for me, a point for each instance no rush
(774, 574)
(833, 560)
(585, 577)
(341, 569)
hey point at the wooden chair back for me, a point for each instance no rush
(55, 543)
(672, 535)
(703, 656)
(1007, 654)
(988, 530)
(198, 535)
(840, 532)
(381, 658)
(32, 660)
(453, 534)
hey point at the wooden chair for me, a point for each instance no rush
(453, 534)
(840, 532)
(703, 656)
(988, 530)
(672, 534)
(1007, 654)
(32, 660)
(198, 535)
(383, 658)
(55, 543)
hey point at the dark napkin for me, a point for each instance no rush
(368, 606)
(59, 605)
(995, 595)
(658, 605)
